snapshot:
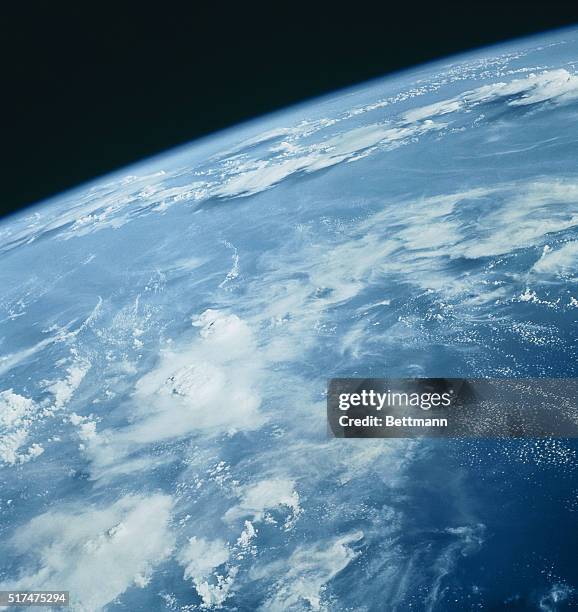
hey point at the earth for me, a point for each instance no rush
(167, 332)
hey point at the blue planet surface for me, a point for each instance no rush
(167, 332)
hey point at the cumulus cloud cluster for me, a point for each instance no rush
(16, 417)
(265, 495)
(185, 393)
(95, 552)
(200, 558)
(560, 262)
(556, 86)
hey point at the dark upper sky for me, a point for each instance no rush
(91, 91)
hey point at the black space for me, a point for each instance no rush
(89, 91)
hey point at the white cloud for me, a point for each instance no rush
(200, 557)
(308, 570)
(433, 110)
(559, 262)
(247, 535)
(254, 181)
(557, 86)
(556, 594)
(86, 426)
(305, 279)
(10, 360)
(210, 386)
(64, 389)
(345, 146)
(16, 417)
(523, 216)
(95, 553)
(267, 494)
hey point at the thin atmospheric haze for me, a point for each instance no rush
(167, 332)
